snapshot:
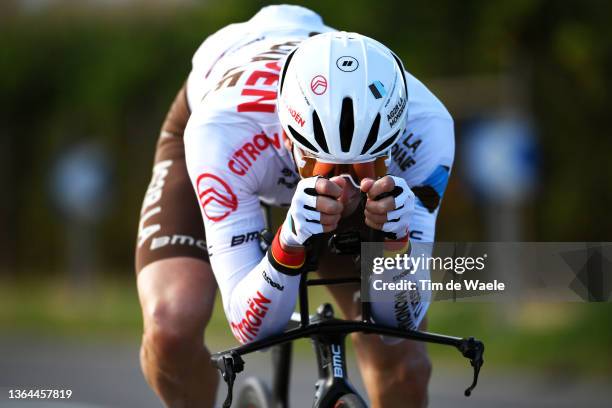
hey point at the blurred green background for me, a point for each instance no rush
(74, 73)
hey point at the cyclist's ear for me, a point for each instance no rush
(287, 142)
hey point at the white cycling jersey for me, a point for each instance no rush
(236, 159)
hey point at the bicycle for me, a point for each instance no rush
(333, 388)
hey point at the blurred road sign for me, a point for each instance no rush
(81, 183)
(500, 159)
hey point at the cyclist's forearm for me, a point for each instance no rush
(408, 307)
(259, 301)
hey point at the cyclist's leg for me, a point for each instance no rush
(394, 375)
(177, 297)
(176, 285)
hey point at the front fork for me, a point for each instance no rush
(333, 380)
(281, 373)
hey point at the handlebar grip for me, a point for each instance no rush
(375, 235)
(314, 249)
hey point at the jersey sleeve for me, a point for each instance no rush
(427, 151)
(257, 298)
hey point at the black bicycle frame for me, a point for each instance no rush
(281, 370)
(333, 380)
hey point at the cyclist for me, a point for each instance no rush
(284, 110)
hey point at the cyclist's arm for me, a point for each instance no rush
(429, 176)
(258, 298)
(431, 150)
(178, 115)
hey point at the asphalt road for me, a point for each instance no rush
(108, 375)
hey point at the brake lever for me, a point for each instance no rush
(472, 349)
(229, 364)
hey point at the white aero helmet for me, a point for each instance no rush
(343, 98)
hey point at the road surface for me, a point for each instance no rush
(108, 375)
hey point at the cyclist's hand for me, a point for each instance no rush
(314, 209)
(389, 205)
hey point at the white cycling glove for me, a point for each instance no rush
(303, 220)
(396, 226)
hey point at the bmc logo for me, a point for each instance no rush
(212, 191)
(177, 239)
(337, 360)
(242, 238)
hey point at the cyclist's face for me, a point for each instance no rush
(350, 197)
(309, 166)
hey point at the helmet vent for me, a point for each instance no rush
(318, 132)
(372, 136)
(347, 124)
(284, 73)
(386, 143)
(401, 67)
(301, 139)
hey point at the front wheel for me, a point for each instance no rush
(350, 401)
(254, 394)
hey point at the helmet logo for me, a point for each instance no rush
(296, 116)
(396, 112)
(347, 64)
(377, 89)
(318, 85)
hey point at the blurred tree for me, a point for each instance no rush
(72, 73)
